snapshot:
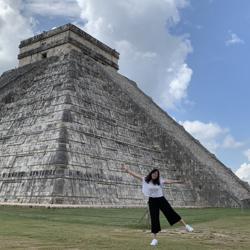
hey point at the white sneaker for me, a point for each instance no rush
(189, 228)
(154, 242)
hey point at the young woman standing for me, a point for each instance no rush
(152, 187)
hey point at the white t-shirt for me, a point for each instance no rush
(151, 190)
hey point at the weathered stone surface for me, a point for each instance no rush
(68, 122)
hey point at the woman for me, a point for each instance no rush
(152, 186)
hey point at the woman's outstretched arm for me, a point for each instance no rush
(138, 176)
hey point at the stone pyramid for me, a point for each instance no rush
(68, 120)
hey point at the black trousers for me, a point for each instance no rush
(157, 204)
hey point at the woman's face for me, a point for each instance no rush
(154, 175)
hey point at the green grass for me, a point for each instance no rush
(118, 229)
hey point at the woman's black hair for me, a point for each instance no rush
(148, 178)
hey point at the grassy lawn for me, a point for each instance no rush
(120, 229)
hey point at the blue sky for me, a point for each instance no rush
(220, 84)
(191, 56)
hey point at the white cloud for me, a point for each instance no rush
(206, 133)
(247, 154)
(211, 135)
(178, 86)
(230, 142)
(66, 8)
(13, 28)
(234, 39)
(139, 30)
(244, 172)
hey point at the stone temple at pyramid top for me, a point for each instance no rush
(62, 40)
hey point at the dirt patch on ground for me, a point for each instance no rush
(226, 238)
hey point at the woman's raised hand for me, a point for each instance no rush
(124, 168)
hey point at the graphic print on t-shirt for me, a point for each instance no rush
(151, 190)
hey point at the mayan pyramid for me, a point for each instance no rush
(68, 120)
